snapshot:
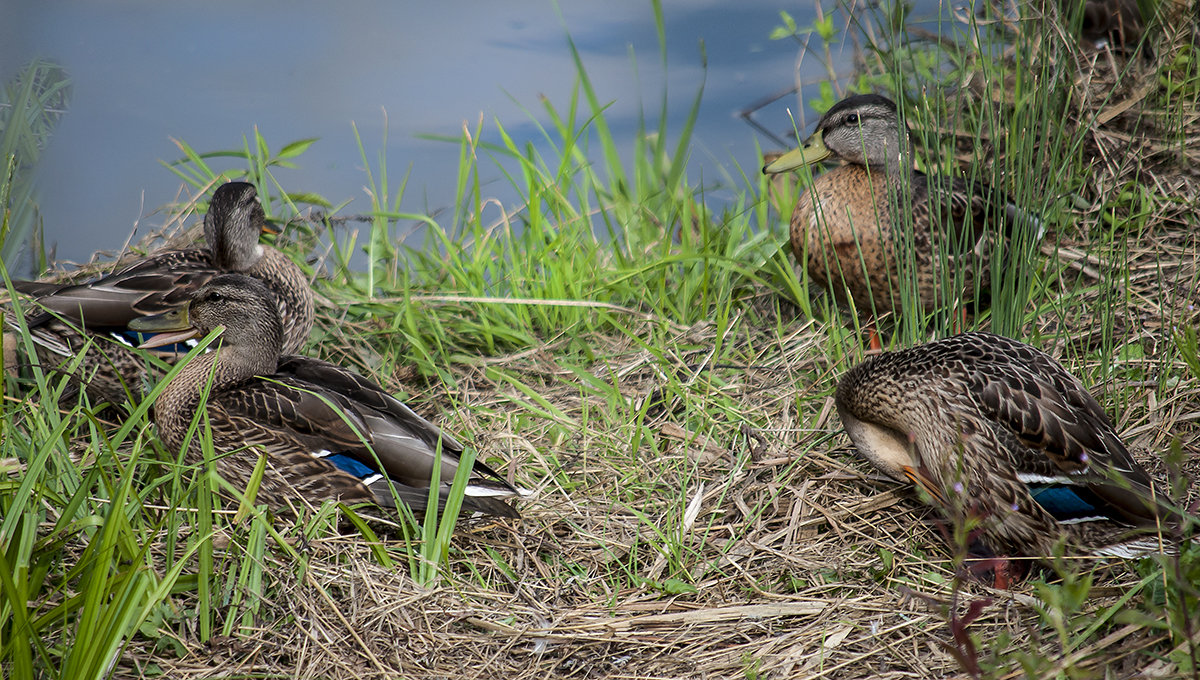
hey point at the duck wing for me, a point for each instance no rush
(243, 418)
(1065, 436)
(151, 286)
(967, 210)
(328, 443)
(410, 438)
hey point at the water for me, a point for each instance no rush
(209, 73)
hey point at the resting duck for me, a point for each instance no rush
(846, 229)
(998, 433)
(69, 315)
(316, 422)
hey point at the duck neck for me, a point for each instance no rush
(233, 241)
(291, 290)
(208, 373)
(236, 257)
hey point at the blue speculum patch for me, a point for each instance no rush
(351, 465)
(1067, 502)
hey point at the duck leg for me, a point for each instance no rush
(959, 324)
(874, 343)
(1002, 572)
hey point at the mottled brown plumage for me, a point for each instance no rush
(327, 432)
(870, 227)
(997, 431)
(69, 315)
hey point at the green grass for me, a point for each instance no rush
(653, 366)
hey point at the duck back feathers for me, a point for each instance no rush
(998, 431)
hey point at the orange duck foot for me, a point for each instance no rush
(1002, 572)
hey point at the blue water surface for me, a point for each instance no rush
(210, 73)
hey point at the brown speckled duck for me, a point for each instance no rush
(998, 433)
(68, 316)
(846, 229)
(327, 432)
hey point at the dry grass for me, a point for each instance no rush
(783, 548)
(783, 532)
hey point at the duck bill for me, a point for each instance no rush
(813, 151)
(170, 328)
(268, 228)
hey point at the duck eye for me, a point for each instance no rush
(852, 119)
(214, 296)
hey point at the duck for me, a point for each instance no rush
(327, 432)
(93, 317)
(1008, 445)
(847, 230)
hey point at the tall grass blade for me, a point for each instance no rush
(31, 105)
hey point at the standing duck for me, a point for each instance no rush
(69, 315)
(327, 432)
(1005, 440)
(847, 229)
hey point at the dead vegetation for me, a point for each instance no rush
(798, 560)
(782, 536)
